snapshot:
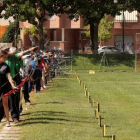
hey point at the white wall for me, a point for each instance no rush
(6, 22)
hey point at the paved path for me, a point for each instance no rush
(10, 133)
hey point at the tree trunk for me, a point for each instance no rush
(94, 36)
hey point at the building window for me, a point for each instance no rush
(53, 36)
(83, 35)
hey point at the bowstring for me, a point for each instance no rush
(29, 75)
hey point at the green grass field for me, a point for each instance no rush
(118, 95)
(62, 111)
(115, 62)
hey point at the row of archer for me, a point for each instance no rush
(20, 72)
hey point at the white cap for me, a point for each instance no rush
(12, 49)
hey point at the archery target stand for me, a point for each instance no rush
(104, 63)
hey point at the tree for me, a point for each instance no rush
(104, 32)
(105, 26)
(12, 32)
(9, 35)
(134, 5)
(33, 33)
(34, 11)
(93, 11)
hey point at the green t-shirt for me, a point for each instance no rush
(14, 64)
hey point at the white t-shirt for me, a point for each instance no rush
(27, 66)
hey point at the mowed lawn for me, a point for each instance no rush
(119, 97)
(62, 111)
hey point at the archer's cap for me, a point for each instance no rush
(12, 49)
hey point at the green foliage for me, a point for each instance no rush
(105, 26)
(104, 32)
(25, 31)
(87, 30)
(9, 34)
(32, 10)
(92, 11)
(33, 30)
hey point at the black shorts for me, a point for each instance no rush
(5, 89)
(40, 73)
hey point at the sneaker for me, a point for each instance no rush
(27, 103)
(41, 88)
(37, 91)
(8, 124)
(16, 121)
(44, 86)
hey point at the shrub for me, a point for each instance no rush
(9, 35)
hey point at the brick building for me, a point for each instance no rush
(63, 33)
(131, 28)
(67, 35)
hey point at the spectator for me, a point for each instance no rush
(4, 84)
(25, 73)
(14, 62)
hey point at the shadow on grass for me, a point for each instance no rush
(107, 136)
(113, 60)
(36, 122)
(105, 126)
(48, 103)
(53, 120)
(52, 112)
(47, 118)
(55, 114)
(39, 119)
(54, 103)
(42, 121)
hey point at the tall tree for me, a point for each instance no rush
(93, 11)
(15, 25)
(34, 11)
(9, 35)
(104, 32)
(33, 33)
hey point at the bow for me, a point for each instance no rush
(23, 81)
(18, 87)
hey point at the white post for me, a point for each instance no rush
(63, 34)
(135, 61)
(71, 59)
